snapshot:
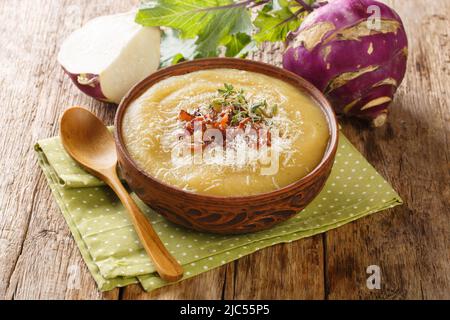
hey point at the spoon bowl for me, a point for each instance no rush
(88, 141)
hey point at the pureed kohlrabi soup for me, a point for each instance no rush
(225, 132)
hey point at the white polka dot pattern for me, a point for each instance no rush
(115, 257)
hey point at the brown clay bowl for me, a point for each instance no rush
(226, 215)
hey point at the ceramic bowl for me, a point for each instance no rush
(226, 215)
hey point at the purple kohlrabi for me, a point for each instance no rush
(355, 51)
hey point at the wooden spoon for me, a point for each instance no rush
(89, 142)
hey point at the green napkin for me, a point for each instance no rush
(111, 248)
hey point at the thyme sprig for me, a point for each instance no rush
(240, 109)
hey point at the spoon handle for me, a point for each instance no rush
(166, 265)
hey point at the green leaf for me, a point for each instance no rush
(188, 16)
(202, 28)
(210, 22)
(274, 25)
(252, 46)
(237, 42)
(223, 23)
(174, 49)
(178, 58)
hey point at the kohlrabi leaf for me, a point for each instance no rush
(188, 16)
(207, 21)
(275, 20)
(236, 43)
(174, 49)
(208, 28)
(224, 23)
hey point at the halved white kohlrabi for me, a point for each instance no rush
(109, 55)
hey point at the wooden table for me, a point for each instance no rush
(410, 243)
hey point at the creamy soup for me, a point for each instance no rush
(225, 132)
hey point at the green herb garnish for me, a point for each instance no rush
(235, 103)
(230, 108)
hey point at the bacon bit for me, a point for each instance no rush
(185, 116)
(244, 122)
(224, 121)
(231, 108)
(199, 118)
(190, 127)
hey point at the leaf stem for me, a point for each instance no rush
(246, 3)
(319, 4)
(258, 3)
(311, 7)
(305, 5)
(292, 17)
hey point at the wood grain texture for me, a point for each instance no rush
(38, 256)
(293, 270)
(207, 286)
(410, 243)
(39, 259)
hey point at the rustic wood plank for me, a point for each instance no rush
(50, 265)
(284, 271)
(39, 259)
(39, 256)
(207, 286)
(410, 243)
